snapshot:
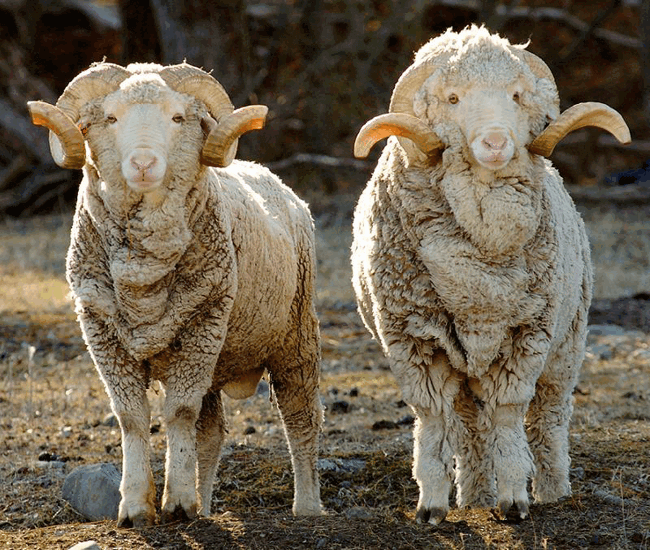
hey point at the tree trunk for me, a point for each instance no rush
(645, 55)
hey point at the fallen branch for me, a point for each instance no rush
(31, 139)
(320, 160)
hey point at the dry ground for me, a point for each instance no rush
(52, 406)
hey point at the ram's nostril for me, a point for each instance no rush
(142, 163)
(495, 141)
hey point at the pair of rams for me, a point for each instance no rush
(470, 264)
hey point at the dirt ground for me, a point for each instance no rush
(53, 417)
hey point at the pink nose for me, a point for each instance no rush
(142, 164)
(495, 141)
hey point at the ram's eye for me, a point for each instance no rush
(178, 118)
(516, 97)
(111, 119)
(453, 99)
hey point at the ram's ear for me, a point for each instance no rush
(66, 140)
(220, 146)
(583, 114)
(397, 124)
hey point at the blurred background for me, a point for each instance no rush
(323, 67)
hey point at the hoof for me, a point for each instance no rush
(138, 521)
(177, 514)
(434, 516)
(510, 513)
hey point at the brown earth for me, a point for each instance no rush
(52, 408)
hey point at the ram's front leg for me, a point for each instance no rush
(513, 461)
(432, 465)
(187, 380)
(430, 385)
(126, 383)
(184, 390)
(509, 387)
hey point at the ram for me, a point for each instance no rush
(200, 277)
(471, 267)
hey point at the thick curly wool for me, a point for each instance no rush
(204, 284)
(477, 285)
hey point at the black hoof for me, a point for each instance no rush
(178, 514)
(510, 513)
(139, 521)
(433, 516)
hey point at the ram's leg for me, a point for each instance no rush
(126, 384)
(184, 393)
(301, 413)
(548, 433)
(430, 385)
(513, 461)
(432, 464)
(507, 390)
(294, 380)
(550, 412)
(211, 429)
(475, 481)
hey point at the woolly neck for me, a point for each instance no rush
(144, 237)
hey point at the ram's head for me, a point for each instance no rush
(144, 107)
(499, 98)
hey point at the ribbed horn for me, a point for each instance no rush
(396, 124)
(187, 79)
(576, 117)
(221, 145)
(66, 141)
(401, 101)
(536, 64)
(410, 82)
(99, 80)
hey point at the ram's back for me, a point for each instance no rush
(273, 239)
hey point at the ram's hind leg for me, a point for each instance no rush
(294, 378)
(210, 432)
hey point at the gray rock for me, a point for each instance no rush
(94, 491)
(87, 545)
(358, 512)
(603, 352)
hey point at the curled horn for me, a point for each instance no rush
(396, 124)
(221, 144)
(574, 118)
(579, 116)
(66, 140)
(421, 142)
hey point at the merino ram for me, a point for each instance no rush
(472, 269)
(199, 277)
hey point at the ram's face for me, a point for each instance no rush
(475, 92)
(145, 134)
(490, 111)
